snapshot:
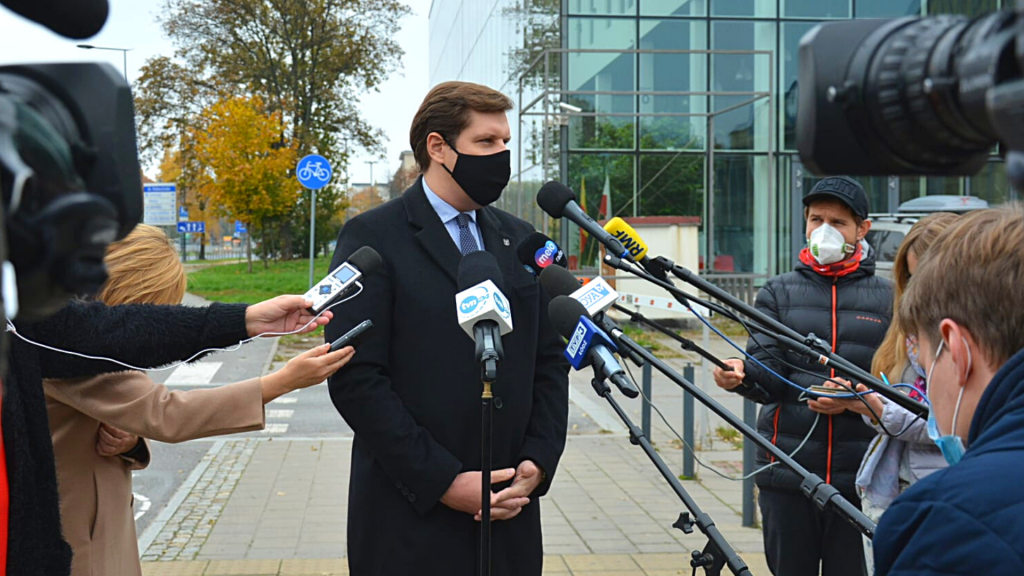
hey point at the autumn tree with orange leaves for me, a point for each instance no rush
(245, 168)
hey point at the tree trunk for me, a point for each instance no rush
(248, 245)
(202, 246)
(266, 257)
(285, 232)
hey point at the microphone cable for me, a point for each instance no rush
(711, 468)
(851, 393)
(12, 329)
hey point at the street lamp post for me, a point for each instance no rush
(124, 52)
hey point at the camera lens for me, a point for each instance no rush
(910, 96)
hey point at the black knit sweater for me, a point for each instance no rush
(141, 335)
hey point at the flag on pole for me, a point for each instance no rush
(583, 205)
(604, 211)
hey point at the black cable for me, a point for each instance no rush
(788, 364)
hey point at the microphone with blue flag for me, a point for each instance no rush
(588, 345)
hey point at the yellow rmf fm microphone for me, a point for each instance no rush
(628, 236)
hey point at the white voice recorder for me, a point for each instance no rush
(332, 286)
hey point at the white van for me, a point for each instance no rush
(888, 230)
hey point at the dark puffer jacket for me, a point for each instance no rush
(851, 313)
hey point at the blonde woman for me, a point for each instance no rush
(94, 476)
(902, 453)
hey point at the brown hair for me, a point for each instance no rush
(891, 357)
(973, 274)
(143, 269)
(445, 110)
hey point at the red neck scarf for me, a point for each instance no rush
(836, 269)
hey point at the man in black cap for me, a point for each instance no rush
(833, 292)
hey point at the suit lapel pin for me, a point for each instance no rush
(505, 240)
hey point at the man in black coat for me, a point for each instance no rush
(834, 293)
(412, 392)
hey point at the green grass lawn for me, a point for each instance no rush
(232, 282)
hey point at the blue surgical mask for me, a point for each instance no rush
(951, 445)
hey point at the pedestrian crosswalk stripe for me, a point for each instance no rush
(279, 413)
(198, 374)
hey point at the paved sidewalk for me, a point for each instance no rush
(609, 512)
(278, 507)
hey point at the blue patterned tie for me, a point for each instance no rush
(467, 243)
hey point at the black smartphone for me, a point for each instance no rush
(351, 338)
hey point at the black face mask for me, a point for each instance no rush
(482, 178)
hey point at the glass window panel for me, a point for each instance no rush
(589, 171)
(672, 73)
(949, 185)
(816, 8)
(740, 218)
(966, 7)
(671, 185)
(603, 7)
(745, 8)
(792, 32)
(991, 184)
(673, 8)
(910, 187)
(877, 189)
(602, 72)
(886, 8)
(745, 128)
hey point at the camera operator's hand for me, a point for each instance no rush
(283, 314)
(730, 380)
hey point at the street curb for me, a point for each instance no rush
(153, 530)
(270, 357)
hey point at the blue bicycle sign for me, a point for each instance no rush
(313, 171)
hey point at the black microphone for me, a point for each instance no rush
(559, 201)
(536, 252)
(560, 282)
(483, 311)
(78, 19)
(588, 345)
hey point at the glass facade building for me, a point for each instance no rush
(635, 91)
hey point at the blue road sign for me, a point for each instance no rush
(192, 227)
(313, 172)
(240, 227)
(182, 214)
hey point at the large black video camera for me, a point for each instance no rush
(70, 179)
(927, 95)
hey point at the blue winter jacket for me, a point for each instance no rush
(969, 518)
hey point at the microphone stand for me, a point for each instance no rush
(717, 553)
(684, 343)
(489, 353)
(812, 486)
(809, 346)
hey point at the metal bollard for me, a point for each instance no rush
(750, 419)
(689, 425)
(645, 406)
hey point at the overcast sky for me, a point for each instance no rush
(133, 24)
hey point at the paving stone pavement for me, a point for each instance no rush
(192, 521)
(608, 512)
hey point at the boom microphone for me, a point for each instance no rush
(536, 252)
(636, 246)
(482, 310)
(557, 200)
(588, 345)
